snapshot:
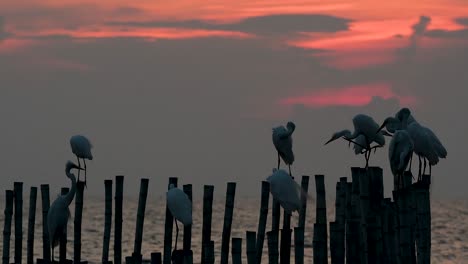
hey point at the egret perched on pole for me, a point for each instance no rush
(180, 207)
(285, 190)
(399, 153)
(81, 147)
(58, 215)
(366, 131)
(282, 139)
(426, 144)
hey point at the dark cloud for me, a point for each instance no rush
(462, 21)
(128, 11)
(419, 29)
(264, 25)
(441, 33)
(3, 33)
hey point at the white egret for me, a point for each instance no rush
(399, 153)
(426, 144)
(58, 215)
(282, 139)
(180, 207)
(285, 190)
(366, 131)
(81, 147)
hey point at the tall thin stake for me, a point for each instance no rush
(119, 181)
(31, 223)
(7, 226)
(265, 198)
(228, 212)
(107, 220)
(18, 190)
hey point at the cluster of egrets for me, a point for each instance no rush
(408, 137)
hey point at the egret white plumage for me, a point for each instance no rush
(366, 131)
(399, 153)
(180, 207)
(58, 215)
(426, 144)
(282, 139)
(285, 190)
(81, 147)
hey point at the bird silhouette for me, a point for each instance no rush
(366, 131)
(399, 153)
(426, 144)
(58, 215)
(285, 190)
(282, 140)
(81, 147)
(180, 207)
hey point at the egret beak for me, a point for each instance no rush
(382, 126)
(329, 141)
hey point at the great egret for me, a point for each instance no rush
(81, 147)
(426, 144)
(58, 215)
(366, 131)
(282, 139)
(180, 207)
(285, 190)
(399, 153)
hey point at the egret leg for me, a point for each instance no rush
(424, 171)
(177, 234)
(278, 160)
(430, 169)
(85, 173)
(420, 164)
(289, 165)
(410, 161)
(52, 254)
(79, 165)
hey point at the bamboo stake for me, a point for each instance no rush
(77, 224)
(7, 226)
(187, 243)
(320, 227)
(228, 212)
(18, 191)
(251, 250)
(31, 223)
(207, 212)
(107, 220)
(299, 245)
(45, 230)
(63, 239)
(156, 258)
(119, 181)
(265, 197)
(236, 250)
(273, 254)
(136, 256)
(168, 227)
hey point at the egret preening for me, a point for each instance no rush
(282, 139)
(426, 144)
(366, 131)
(285, 190)
(58, 215)
(81, 147)
(399, 153)
(180, 207)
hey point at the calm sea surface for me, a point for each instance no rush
(449, 228)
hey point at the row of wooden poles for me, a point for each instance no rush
(367, 227)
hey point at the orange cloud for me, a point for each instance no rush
(358, 95)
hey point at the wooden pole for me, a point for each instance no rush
(209, 252)
(136, 256)
(251, 248)
(320, 227)
(107, 220)
(275, 219)
(387, 233)
(303, 211)
(299, 245)
(228, 212)
(168, 227)
(187, 243)
(18, 191)
(236, 250)
(354, 225)
(401, 198)
(119, 181)
(348, 218)
(31, 223)
(340, 219)
(156, 258)
(77, 224)
(45, 230)
(265, 198)
(285, 244)
(424, 220)
(273, 254)
(364, 183)
(7, 226)
(63, 239)
(207, 212)
(334, 246)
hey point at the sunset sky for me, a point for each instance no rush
(192, 88)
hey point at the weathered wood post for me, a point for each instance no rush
(334, 246)
(168, 227)
(285, 243)
(299, 251)
(45, 230)
(364, 182)
(354, 224)
(299, 245)
(388, 234)
(228, 212)
(374, 215)
(119, 181)
(63, 239)
(273, 254)
(207, 212)
(275, 219)
(209, 252)
(236, 250)
(401, 198)
(408, 178)
(320, 227)
(31, 223)
(107, 220)
(187, 243)
(251, 250)
(338, 256)
(264, 200)
(18, 191)
(77, 222)
(7, 226)
(156, 258)
(348, 237)
(136, 256)
(423, 204)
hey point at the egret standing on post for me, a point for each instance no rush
(180, 207)
(58, 215)
(285, 190)
(81, 147)
(399, 153)
(282, 139)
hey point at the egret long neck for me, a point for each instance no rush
(71, 194)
